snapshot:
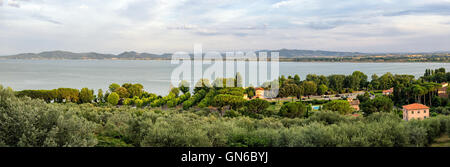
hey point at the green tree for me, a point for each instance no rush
(363, 98)
(68, 95)
(135, 90)
(297, 79)
(322, 89)
(86, 95)
(100, 96)
(341, 106)
(336, 82)
(184, 86)
(293, 110)
(202, 84)
(379, 104)
(175, 91)
(223, 100)
(310, 88)
(122, 92)
(113, 87)
(448, 92)
(127, 85)
(113, 98)
(361, 80)
(257, 105)
(386, 81)
(250, 91)
(288, 90)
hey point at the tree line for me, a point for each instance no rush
(39, 124)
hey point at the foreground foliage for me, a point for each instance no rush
(32, 122)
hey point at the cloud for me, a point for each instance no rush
(46, 19)
(282, 3)
(433, 9)
(174, 25)
(13, 3)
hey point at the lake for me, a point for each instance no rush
(155, 74)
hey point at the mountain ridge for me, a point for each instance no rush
(287, 54)
(58, 54)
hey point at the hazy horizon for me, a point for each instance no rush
(191, 52)
(167, 26)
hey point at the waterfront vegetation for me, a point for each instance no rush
(214, 114)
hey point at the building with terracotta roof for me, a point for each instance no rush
(415, 111)
(259, 93)
(388, 92)
(354, 103)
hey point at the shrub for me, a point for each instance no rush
(341, 106)
(293, 110)
(113, 98)
(257, 105)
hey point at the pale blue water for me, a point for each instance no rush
(155, 75)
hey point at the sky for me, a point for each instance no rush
(166, 26)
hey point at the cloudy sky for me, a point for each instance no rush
(114, 26)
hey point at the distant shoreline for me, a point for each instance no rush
(285, 55)
(310, 60)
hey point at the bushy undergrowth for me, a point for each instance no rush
(31, 122)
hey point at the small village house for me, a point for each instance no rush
(388, 92)
(259, 93)
(354, 103)
(442, 91)
(415, 111)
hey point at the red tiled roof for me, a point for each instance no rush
(259, 88)
(415, 106)
(389, 90)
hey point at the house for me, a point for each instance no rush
(388, 92)
(442, 92)
(415, 111)
(353, 103)
(259, 93)
(246, 97)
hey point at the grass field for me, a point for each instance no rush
(443, 141)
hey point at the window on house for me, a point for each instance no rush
(412, 112)
(424, 117)
(418, 112)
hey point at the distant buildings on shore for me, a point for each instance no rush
(354, 103)
(259, 94)
(442, 92)
(415, 111)
(388, 92)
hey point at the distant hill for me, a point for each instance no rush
(288, 53)
(81, 56)
(60, 55)
(284, 53)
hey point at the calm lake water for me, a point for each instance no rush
(155, 75)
